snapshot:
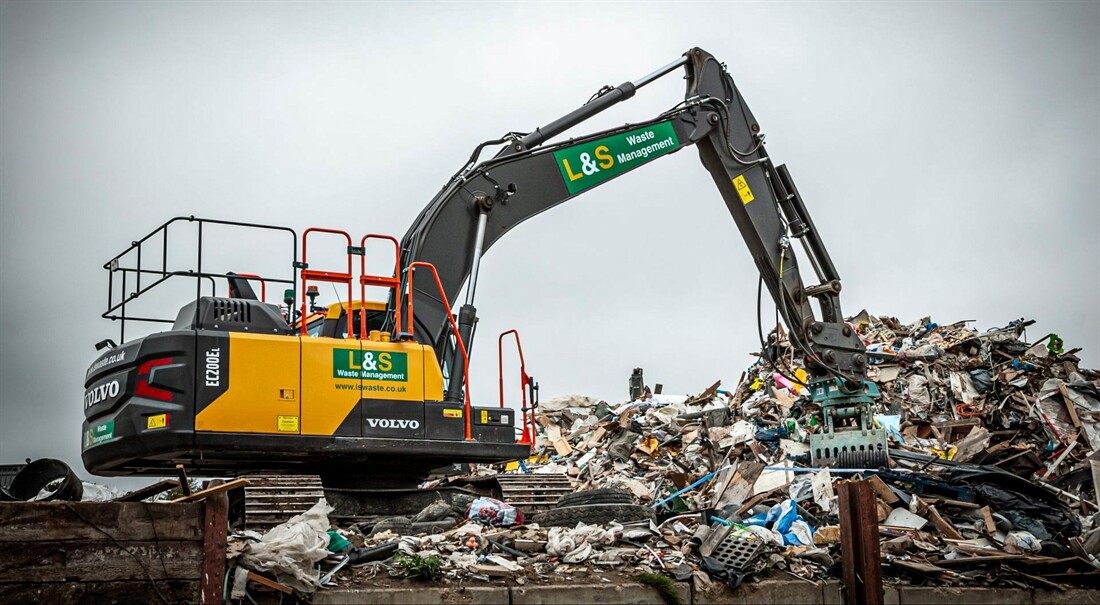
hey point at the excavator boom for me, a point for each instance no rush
(530, 175)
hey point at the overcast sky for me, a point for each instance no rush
(948, 152)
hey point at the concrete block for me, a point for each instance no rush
(604, 594)
(833, 594)
(922, 595)
(480, 595)
(767, 591)
(1073, 596)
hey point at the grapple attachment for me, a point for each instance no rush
(859, 445)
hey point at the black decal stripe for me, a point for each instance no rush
(352, 425)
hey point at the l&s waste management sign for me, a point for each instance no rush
(589, 164)
(370, 365)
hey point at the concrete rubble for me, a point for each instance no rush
(993, 460)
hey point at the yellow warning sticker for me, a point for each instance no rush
(288, 424)
(484, 417)
(452, 413)
(743, 189)
(157, 422)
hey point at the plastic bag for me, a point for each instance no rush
(494, 512)
(575, 545)
(1021, 542)
(784, 519)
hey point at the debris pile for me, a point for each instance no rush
(993, 455)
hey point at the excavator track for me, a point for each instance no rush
(533, 493)
(273, 499)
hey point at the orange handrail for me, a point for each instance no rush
(393, 283)
(308, 274)
(524, 382)
(454, 327)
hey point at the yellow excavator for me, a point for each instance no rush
(366, 389)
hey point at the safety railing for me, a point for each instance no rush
(392, 282)
(525, 385)
(131, 273)
(307, 275)
(454, 328)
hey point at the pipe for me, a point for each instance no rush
(479, 244)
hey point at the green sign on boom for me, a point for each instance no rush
(589, 164)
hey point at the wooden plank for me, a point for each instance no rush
(975, 561)
(272, 584)
(80, 561)
(1072, 409)
(955, 503)
(216, 526)
(882, 491)
(121, 593)
(942, 524)
(185, 485)
(562, 447)
(1094, 468)
(34, 521)
(1058, 462)
(740, 487)
(987, 518)
(148, 491)
(210, 491)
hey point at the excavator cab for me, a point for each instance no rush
(332, 322)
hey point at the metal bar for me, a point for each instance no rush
(454, 327)
(122, 328)
(479, 242)
(646, 79)
(198, 251)
(813, 260)
(859, 543)
(814, 239)
(701, 480)
(621, 92)
(145, 319)
(138, 286)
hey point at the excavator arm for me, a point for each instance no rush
(483, 201)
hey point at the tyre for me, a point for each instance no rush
(600, 495)
(398, 525)
(592, 514)
(433, 527)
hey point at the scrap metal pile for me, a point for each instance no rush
(993, 454)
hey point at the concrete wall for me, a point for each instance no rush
(769, 591)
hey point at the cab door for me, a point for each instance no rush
(331, 386)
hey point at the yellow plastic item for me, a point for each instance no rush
(947, 453)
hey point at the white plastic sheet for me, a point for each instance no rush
(291, 550)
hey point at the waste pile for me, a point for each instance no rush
(993, 461)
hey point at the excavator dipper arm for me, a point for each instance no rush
(528, 176)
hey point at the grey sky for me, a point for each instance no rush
(949, 153)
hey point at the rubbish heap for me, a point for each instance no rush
(993, 460)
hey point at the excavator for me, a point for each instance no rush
(365, 389)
